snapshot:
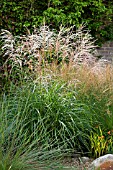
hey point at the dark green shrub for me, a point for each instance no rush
(97, 14)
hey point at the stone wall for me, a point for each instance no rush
(106, 51)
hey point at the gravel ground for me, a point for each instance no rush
(77, 163)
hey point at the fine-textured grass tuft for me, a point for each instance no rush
(41, 121)
(24, 143)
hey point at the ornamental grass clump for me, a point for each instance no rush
(26, 140)
(95, 89)
(45, 46)
(26, 56)
(48, 116)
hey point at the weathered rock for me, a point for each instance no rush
(84, 159)
(102, 163)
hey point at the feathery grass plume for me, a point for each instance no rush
(45, 45)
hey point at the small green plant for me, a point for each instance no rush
(101, 142)
(98, 143)
(109, 137)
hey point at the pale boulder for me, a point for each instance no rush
(102, 163)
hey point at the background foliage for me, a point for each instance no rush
(96, 13)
